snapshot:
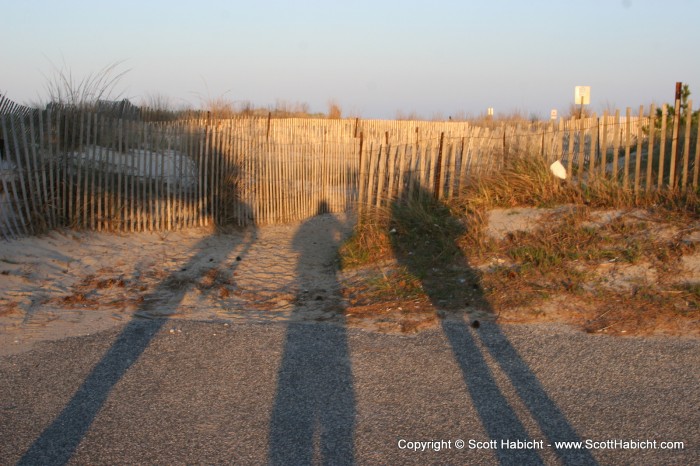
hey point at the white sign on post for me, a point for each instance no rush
(582, 95)
(553, 114)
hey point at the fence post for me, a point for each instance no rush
(674, 141)
(269, 117)
(638, 159)
(208, 175)
(505, 147)
(662, 149)
(438, 169)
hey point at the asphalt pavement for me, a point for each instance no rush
(176, 392)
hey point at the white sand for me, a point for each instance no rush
(75, 283)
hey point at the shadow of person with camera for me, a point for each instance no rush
(313, 416)
(426, 242)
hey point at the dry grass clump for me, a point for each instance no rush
(218, 280)
(90, 292)
(64, 88)
(9, 308)
(674, 309)
(387, 283)
(334, 110)
(523, 181)
(220, 107)
(145, 290)
(160, 107)
(369, 242)
(413, 259)
(526, 180)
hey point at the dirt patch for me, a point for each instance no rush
(502, 222)
(626, 271)
(621, 271)
(387, 298)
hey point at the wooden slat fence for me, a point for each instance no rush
(8, 107)
(63, 168)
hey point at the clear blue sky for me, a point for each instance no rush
(373, 57)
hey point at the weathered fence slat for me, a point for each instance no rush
(23, 175)
(616, 145)
(638, 153)
(40, 161)
(9, 181)
(673, 156)
(686, 145)
(650, 147)
(595, 135)
(696, 164)
(604, 143)
(628, 143)
(662, 149)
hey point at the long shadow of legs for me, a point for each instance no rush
(314, 397)
(430, 223)
(549, 417)
(59, 440)
(313, 416)
(497, 416)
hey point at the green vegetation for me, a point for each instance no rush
(685, 97)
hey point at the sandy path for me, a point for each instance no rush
(67, 283)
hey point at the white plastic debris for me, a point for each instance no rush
(558, 170)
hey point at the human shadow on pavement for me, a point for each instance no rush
(452, 284)
(313, 416)
(60, 439)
